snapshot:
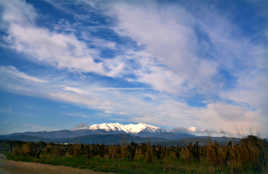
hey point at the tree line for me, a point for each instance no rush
(249, 152)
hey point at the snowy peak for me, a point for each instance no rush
(127, 128)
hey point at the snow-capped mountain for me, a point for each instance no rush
(105, 133)
(127, 128)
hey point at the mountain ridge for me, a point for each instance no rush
(127, 128)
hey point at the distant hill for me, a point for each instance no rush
(114, 133)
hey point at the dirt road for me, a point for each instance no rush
(13, 167)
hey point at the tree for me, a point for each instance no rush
(131, 150)
(112, 151)
(185, 154)
(139, 155)
(26, 149)
(124, 150)
(212, 153)
(148, 154)
(76, 149)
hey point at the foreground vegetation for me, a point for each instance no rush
(247, 156)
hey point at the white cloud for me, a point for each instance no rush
(162, 79)
(56, 49)
(169, 37)
(12, 72)
(176, 49)
(75, 90)
(59, 50)
(18, 12)
(192, 129)
(251, 89)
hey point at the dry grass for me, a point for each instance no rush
(14, 167)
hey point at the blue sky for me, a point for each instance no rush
(173, 64)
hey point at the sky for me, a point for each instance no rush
(192, 65)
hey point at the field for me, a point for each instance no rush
(14, 167)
